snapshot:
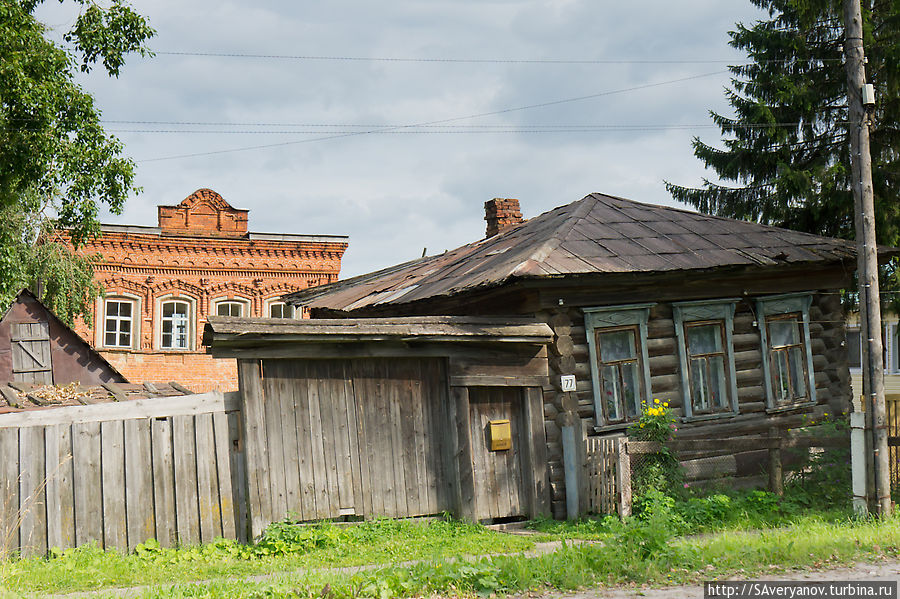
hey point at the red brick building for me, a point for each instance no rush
(162, 282)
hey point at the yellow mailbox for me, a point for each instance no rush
(501, 435)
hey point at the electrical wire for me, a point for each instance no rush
(441, 121)
(536, 61)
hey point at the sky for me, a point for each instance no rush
(393, 122)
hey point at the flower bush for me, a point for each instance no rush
(657, 472)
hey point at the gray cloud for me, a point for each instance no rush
(395, 194)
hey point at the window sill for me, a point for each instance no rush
(610, 428)
(790, 408)
(717, 416)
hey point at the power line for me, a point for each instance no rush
(543, 61)
(442, 121)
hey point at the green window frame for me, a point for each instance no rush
(704, 330)
(620, 372)
(786, 351)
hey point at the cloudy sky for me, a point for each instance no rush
(308, 126)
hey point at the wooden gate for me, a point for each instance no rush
(499, 482)
(31, 353)
(348, 438)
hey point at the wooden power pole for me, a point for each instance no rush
(861, 99)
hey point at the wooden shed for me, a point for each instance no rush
(37, 347)
(391, 417)
(737, 325)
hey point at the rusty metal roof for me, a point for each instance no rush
(597, 234)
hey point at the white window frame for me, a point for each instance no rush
(717, 310)
(191, 318)
(100, 327)
(617, 317)
(242, 302)
(277, 301)
(777, 305)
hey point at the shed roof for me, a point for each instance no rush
(597, 234)
(231, 331)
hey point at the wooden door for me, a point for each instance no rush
(31, 353)
(499, 481)
(354, 437)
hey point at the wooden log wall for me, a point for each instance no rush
(118, 474)
(568, 354)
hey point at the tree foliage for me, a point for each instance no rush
(785, 152)
(57, 164)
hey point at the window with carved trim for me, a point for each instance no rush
(786, 353)
(176, 325)
(617, 342)
(706, 354)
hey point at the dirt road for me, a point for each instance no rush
(880, 571)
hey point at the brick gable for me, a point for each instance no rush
(201, 254)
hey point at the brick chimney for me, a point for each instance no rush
(501, 214)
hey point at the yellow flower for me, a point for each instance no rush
(642, 425)
(665, 404)
(655, 401)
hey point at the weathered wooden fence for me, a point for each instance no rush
(601, 476)
(608, 476)
(119, 474)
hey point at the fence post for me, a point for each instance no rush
(858, 462)
(573, 466)
(623, 478)
(776, 478)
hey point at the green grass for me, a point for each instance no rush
(809, 542)
(285, 548)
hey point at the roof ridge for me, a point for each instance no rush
(721, 218)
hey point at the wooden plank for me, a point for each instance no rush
(186, 503)
(342, 434)
(9, 490)
(224, 475)
(210, 510)
(289, 447)
(516, 458)
(306, 474)
(329, 437)
(163, 481)
(318, 444)
(353, 436)
(434, 437)
(65, 477)
(239, 486)
(386, 473)
(466, 509)
(254, 436)
(272, 381)
(51, 486)
(88, 483)
(161, 407)
(392, 383)
(623, 478)
(421, 442)
(410, 421)
(537, 463)
(112, 451)
(33, 504)
(360, 373)
(116, 391)
(139, 482)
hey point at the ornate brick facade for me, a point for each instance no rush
(162, 282)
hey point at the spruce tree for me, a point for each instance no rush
(784, 158)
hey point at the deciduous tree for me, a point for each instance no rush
(57, 164)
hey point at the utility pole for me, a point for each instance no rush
(860, 98)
